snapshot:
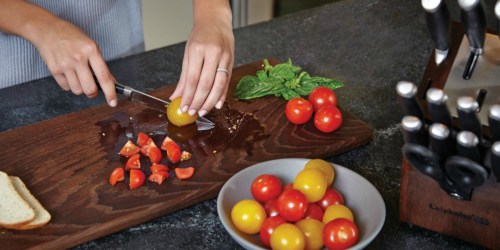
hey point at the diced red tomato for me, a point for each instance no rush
(148, 145)
(158, 167)
(142, 139)
(172, 148)
(184, 173)
(133, 162)
(129, 149)
(158, 176)
(117, 175)
(155, 154)
(185, 155)
(137, 178)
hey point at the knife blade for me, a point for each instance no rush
(438, 110)
(474, 22)
(438, 22)
(157, 104)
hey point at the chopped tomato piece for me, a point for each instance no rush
(129, 149)
(142, 139)
(117, 175)
(158, 167)
(158, 176)
(149, 144)
(133, 162)
(172, 148)
(155, 154)
(185, 156)
(137, 178)
(184, 173)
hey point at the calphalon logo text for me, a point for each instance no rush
(476, 219)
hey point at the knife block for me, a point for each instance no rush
(422, 202)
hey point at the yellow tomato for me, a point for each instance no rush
(248, 215)
(337, 211)
(176, 116)
(313, 231)
(287, 237)
(324, 167)
(312, 183)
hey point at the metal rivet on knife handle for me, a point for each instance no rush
(407, 92)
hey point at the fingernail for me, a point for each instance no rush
(192, 112)
(219, 104)
(202, 112)
(112, 103)
(184, 109)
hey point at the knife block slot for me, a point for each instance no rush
(422, 201)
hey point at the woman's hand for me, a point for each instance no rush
(208, 58)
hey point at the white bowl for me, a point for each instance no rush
(359, 194)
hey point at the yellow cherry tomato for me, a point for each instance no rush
(287, 237)
(176, 116)
(313, 231)
(337, 211)
(325, 167)
(312, 183)
(248, 215)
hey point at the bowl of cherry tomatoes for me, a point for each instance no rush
(297, 203)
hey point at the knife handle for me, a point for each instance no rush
(407, 92)
(466, 109)
(467, 146)
(497, 14)
(494, 122)
(414, 131)
(495, 160)
(441, 142)
(120, 89)
(437, 17)
(438, 109)
(474, 22)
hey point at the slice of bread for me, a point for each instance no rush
(42, 216)
(14, 209)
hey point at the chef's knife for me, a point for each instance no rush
(438, 109)
(407, 92)
(495, 159)
(474, 22)
(414, 131)
(466, 109)
(157, 104)
(437, 17)
(494, 122)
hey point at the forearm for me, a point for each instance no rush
(216, 12)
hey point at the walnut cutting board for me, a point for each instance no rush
(67, 161)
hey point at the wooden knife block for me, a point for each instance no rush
(423, 203)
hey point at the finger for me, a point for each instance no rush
(204, 87)
(218, 88)
(222, 98)
(105, 79)
(73, 82)
(182, 80)
(62, 81)
(87, 80)
(195, 63)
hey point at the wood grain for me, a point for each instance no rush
(66, 161)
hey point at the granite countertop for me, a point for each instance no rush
(369, 45)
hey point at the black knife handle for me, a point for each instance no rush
(474, 22)
(467, 146)
(497, 14)
(438, 109)
(438, 21)
(494, 122)
(441, 142)
(495, 160)
(466, 109)
(407, 92)
(414, 131)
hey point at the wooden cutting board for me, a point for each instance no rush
(66, 161)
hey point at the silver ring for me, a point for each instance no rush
(223, 70)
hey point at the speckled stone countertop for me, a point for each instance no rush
(370, 45)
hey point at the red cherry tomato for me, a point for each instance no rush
(328, 119)
(322, 96)
(331, 197)
(266, 187)
(298, 110)
(137, 178)
(155, 155)
(158, 176)
(292, 205)
(184, 173)
(142, 139)
(271, 207)
(133, 162)
(117, 175)
(314, 212)
(129, 149)
(173, 149)
(340, 233)
(268, 227)
(288, 186)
